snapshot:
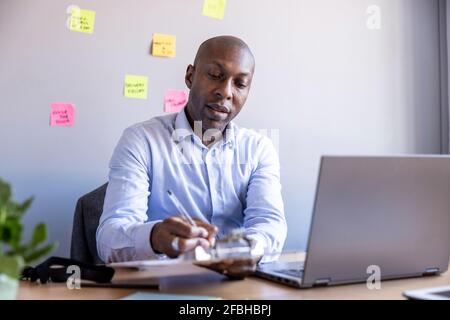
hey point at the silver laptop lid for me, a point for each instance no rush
(388, 212)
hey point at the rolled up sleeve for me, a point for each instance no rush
(124, 231)
(264, 219)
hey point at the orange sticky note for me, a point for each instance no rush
(62, 114)
(175, 100)
(164, 45)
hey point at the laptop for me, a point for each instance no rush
(386, 216)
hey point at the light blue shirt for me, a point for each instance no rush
(233, 183)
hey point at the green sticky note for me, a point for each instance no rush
(135, 87)
(214, 8)
(82, 21)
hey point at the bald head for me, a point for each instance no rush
(222, 43)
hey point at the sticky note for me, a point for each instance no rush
(135, 87)
(175, 100)
(82, 21)
(62, 114)
(163, 45)
(214, 8)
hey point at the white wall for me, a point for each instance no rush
(323, 79)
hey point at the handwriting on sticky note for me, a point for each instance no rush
(164, 45)
(175, 100)
(62, 114)
(135, 87)
(82, 20)
(214, 8)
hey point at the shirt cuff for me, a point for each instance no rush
(262, 247)
(143, 249)
(259, 239)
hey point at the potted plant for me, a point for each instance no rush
(14, 254)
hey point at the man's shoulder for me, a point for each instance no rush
(248, 136)
(155, 125)
(256, 145)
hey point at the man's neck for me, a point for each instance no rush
(207, 139)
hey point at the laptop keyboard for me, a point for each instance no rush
(291, 272)
(292, 269)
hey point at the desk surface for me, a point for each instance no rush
(193, 280)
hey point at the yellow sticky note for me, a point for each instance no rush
(82, 21)
(135, 87)
(163, 45)
(214, 8)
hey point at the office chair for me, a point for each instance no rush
(85, 222)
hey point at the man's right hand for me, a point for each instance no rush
(163, 235)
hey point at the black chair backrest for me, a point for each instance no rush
(85, 222)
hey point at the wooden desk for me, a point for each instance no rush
(193, 280)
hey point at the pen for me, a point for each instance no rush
(180, 208)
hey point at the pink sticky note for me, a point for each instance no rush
(62, 114)
(175, 100)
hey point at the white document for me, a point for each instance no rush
(145, 264)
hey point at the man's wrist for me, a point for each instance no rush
(152, 240)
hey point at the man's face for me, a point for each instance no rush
(219, 84)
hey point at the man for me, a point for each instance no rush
(226, 177)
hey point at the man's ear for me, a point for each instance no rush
(189, 76)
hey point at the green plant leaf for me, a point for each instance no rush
(39, 235)
(11, 265)
(3, 214)
(37, 254)
(11, 232)
(26, 204)
(5, 192)
(22, 208)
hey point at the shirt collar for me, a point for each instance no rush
(182, 127)
(184, 130)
